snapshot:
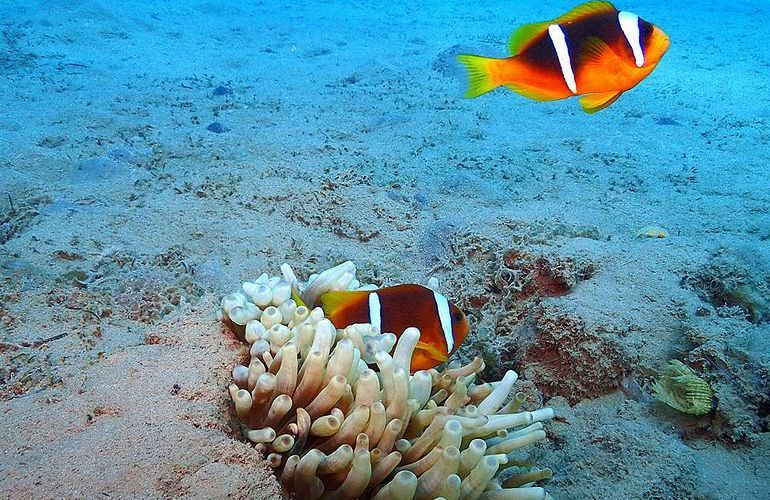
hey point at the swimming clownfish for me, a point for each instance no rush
(442, 325)
(594, 50)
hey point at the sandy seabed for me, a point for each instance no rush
(155, 155)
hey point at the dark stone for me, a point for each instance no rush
(217, 128)
(222, 90)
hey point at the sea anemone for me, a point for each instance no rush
(333, 427)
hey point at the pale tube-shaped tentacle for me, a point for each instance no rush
(258, 348)
(340, 361)
(288, 309)
(474, 366)
(351, 427)
(282, 443)
(386, 366)
(232, 300)
(383, 467)
(240, 375)
(514, 405)
(477, 480)
(255, 330)
(531, 493)
(452, 435)
(243, 404)
(430, 484)
(518, 480)
(300, 315)
(357, 478)
(278, 335)
(423, 443)
(286, 378)
(303, 430)
(403, 485)
(402, 356)
(499, 422)
(451, 489)
(420, 386)
(515, 442)
(305, 475)
(265, 435)
(495, 400)
(325, 426)
(420, 466)
(311, 376)
(278, 409)
(336, 278)
(367, 388)
(377, 422)
(389, 435)
(287, 474)
(242, 314)
(471, 456)
(396, 407)
(271, 317)
(256, 368)
(336, 461)
(422, 419)
(281, 293)
(478, 393)
(459, 396)
(260, 294)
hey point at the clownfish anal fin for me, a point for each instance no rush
(585, 10)
(524, 36)
(535, 94)
(433, 352)
(592, 103)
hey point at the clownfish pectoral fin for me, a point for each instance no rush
(479, 77)
(597, 60)
(297, 298)
(592, 103)
(433, 352)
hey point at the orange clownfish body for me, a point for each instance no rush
(594, 50)
(442, 325)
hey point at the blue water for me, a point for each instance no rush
(245, 134)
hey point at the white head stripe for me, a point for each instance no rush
(375, 316)
(442, 305)
(629, 23)
(562, 52)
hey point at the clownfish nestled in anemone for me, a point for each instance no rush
(594, 50)
(443, 326)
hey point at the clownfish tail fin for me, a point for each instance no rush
(479, 77)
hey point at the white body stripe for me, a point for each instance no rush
(375, 311)
(442, 305)
(562, 52)
(629, 23)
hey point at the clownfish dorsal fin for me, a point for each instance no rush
(433, 352)
(585, 10)
(525, 35)
(332, 302)
(592, 103)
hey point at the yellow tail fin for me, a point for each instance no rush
(479, 78)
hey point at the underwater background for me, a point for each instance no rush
(155, 154)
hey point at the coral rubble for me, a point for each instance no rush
(333, 427)
(679, 387)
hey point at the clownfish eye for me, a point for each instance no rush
(457, 316)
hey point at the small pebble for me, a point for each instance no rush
(222, 90)
(217, 128)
